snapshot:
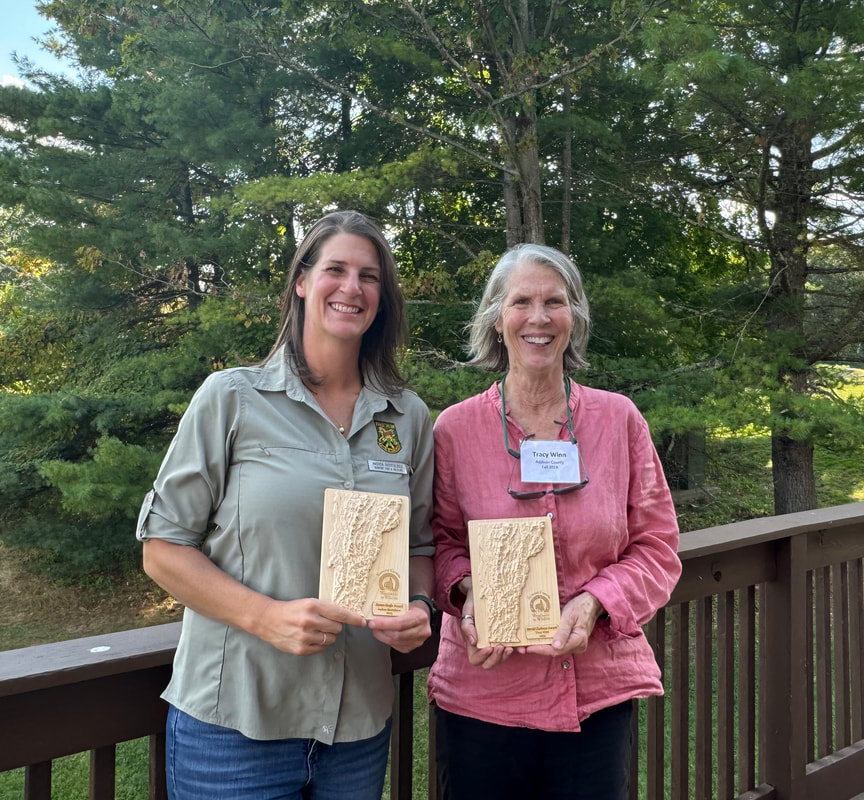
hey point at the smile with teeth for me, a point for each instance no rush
(342, 308)
(537, 339)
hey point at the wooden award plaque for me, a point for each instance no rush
(364, 552)
(515, 585)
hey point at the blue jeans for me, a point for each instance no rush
(209, 762)
(478, 759)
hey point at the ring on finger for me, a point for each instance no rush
(323, 639)
(468, 616)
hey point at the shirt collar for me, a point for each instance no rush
(277, 376)
(493, 395)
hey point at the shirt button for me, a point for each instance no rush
(550, 515)
(338, 655)
(348, 484)
(565, 665)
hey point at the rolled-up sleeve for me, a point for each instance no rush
(191, 481)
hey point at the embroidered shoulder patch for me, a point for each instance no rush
(388, 439)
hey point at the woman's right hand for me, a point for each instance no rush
(486, 657)
(304, 627)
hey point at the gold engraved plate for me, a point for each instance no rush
(515, 583)
(364, 552)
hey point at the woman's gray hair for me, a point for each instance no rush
(484, 346)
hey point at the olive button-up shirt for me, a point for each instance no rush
(244, 480)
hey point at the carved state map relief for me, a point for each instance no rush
(515, 584)
(364, 555)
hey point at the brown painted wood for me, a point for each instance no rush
(822, 665)
(840, 640)
(83, 716)
(834, 546)
(849, 517)
(746, 688)
(783, 692)
(401, 739)
(434, 791)
(761, 792)
(102, 772)
(37, 781)
(156, 767)
(50, 665)
(724, 572)
(856, 648)
(679, 701)
(809, 657)
(838, 775)
(703, 765)
(655, 746)
(726, 694)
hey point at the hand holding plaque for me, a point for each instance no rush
(515, 584)
(364, 552)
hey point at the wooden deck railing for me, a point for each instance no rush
(762, 647)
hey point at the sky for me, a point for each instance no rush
(20, 22)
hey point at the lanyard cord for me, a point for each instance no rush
(567, 389)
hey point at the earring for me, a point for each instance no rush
(500, 339)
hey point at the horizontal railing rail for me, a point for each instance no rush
(761, 646)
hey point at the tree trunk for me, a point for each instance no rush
(794, 479)
(793, 475)
(345, 130)
(566, 173)
(530, 182)
(186, 210)
(513, 211)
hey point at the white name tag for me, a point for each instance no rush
(388, 466)
(549, 462)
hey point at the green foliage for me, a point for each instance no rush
(441, 386)
(150, 208)
(107, 484)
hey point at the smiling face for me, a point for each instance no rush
(341, 292)
(536, 320)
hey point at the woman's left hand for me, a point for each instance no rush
(405, 632)
(578, 619)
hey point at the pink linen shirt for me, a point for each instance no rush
(616, 538)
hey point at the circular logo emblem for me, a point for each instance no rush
(388, 582)
(540, 603)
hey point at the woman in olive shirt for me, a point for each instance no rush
(274, 692)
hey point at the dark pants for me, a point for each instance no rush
(478, 760)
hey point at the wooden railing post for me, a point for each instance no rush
(102, 772)
(784, 736)
(401, 739)
(156, 767)
(37, 781)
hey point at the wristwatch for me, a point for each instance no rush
(423, 598)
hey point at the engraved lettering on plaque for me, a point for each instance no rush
(364, 559)
(515, 583)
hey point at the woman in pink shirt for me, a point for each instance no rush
(551, 720)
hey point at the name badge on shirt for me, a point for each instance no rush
(388, 466)
(549, 462)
